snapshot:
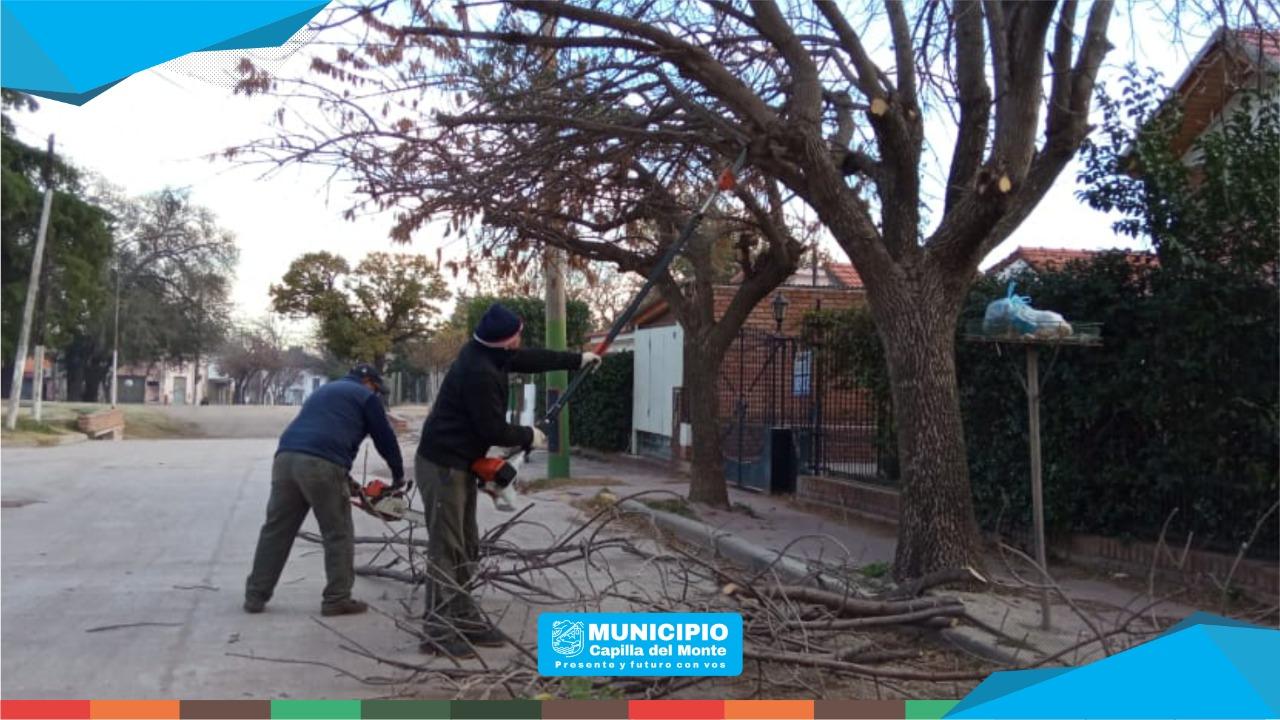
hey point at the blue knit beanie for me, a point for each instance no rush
(498, 327)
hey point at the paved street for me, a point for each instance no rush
(102, 533)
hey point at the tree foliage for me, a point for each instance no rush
(644, 99)
(363, 312)
(170, 260)
(78, 242)
(602, 408)
(533, 311)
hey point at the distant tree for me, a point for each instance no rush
(532, 310)
(174, 264)
(74, 284)
(256, 356)
(363, 312)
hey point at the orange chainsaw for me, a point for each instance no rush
(382, 501)
(496, 476)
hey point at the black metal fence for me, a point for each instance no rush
(769, 381)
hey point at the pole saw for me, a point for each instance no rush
(496, 473)
(727, 180)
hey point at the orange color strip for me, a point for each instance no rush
(768, 710)
(134, 709)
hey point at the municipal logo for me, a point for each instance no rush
(639, 644)
(568, 637)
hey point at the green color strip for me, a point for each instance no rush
(404, 710)
(929, 709)
(315, 709)
(495, 710)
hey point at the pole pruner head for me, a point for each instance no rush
(727, 180)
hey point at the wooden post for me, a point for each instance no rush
(1037, 484)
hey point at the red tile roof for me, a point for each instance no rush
(845, 274)
(1267, 41)
(1049, 259)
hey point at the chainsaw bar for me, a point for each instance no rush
(373, 500)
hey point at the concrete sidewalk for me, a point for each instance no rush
(777, 524)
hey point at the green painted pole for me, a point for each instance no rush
(557, 339)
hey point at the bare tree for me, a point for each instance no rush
(647, 97)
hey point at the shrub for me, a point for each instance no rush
(600, 412)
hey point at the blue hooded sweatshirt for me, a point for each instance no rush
(335, 420)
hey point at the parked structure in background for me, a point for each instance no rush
(162, 383)
(658, 343)
(289, 380)
(49, 379)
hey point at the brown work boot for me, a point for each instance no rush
(350, 606)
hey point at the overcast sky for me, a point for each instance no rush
(156, 128)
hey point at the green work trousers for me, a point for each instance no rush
(300, 483)
(453, 547)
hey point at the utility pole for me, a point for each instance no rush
(115, 346)
(28, 309)
(557, 326)
(195, 392)
(37, 370)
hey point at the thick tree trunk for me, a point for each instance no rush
(701, 392)
(937, 528)
(95, 376)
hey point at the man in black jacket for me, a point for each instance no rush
(310, 472)
(467, 418)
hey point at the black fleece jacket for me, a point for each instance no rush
(469, 413)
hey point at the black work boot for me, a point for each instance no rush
(486, 637)
(350, 606)
(450, 645)
(254, 606)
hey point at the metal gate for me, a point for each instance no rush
(768, 380)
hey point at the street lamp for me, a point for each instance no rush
(780, 303)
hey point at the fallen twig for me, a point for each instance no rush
(105, 628)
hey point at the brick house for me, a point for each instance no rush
(658, 343)
(1231, 61)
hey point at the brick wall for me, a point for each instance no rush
(1199, 566)
(839, 498)
(800, 301)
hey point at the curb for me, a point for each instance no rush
(738, 550)
(757, 559)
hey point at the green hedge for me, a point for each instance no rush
(1177, 410)
(600, 412)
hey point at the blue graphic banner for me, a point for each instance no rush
(646, 644)
(73, 50)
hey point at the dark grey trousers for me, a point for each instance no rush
(453, 546)
(300, 483)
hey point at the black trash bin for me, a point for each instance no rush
(784, 461)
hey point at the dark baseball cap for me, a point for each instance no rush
(365, 371)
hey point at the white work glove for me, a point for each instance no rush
(539, 441)
(589, 359)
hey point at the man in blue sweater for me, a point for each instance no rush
(310, 472)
